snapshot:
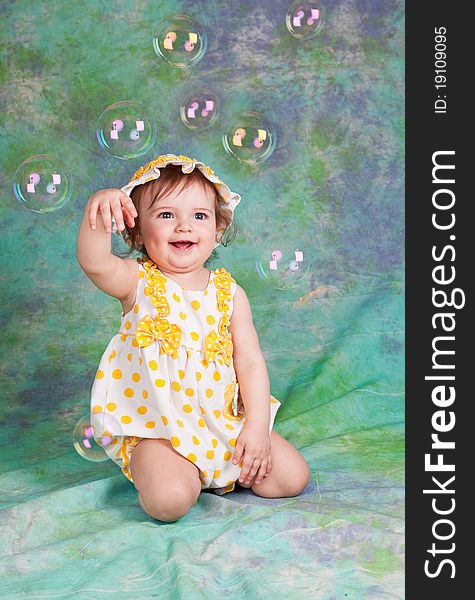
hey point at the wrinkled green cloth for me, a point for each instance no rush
(332, 337)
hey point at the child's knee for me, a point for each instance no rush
(169, 502)
(163, 509)
(300, 478)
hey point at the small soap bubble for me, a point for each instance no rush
(42, 183)
(249, 138)
(284, 265)
(92, 437)
(305, 19)
(126, 130)
(199, 110)
(180, 41)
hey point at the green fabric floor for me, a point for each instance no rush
(332, 336)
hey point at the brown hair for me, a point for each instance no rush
(172, 176)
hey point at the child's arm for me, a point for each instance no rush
(249, 362)
(111, 274)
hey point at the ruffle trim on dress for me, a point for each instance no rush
(233, 406)
(128, 444)
(158, 328)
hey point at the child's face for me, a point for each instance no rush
(187, 215)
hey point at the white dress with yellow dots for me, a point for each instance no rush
(168, 373)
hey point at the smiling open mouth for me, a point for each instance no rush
(182, 246)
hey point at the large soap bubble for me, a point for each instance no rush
(284, 265)
(42, 183)
(199, 110)
(249, 138)
(92, 438)
(126, 130)
(180, 41)
(305, 19)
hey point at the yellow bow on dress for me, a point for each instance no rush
(158, 329)
(222, 345)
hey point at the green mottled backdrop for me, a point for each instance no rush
(333, 188)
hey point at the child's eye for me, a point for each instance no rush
(201, 216)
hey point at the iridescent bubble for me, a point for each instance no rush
(249, 138)
(92, 438)
(305, 19)
(126, 130)
(180, 41)
(284, 265)
(199, 110)
(42, 183)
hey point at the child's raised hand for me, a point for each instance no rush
(111, 203)
(254, 443)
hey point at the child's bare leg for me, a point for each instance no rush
(167, 482)
(289, 474)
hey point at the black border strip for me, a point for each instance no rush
(448, 132)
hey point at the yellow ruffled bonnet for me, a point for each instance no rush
(151, 171)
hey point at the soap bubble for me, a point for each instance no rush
(199, 110)
(42, 183)
(180, 41)
(250, 138)
(305, 19)
(91, 438)
(126, 130)
(284, 265)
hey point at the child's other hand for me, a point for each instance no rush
(254, 443)
(111, 203)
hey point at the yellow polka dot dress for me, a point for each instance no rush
(168, 373)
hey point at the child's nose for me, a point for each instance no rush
(184, 225)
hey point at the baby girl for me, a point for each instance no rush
(183, 383)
